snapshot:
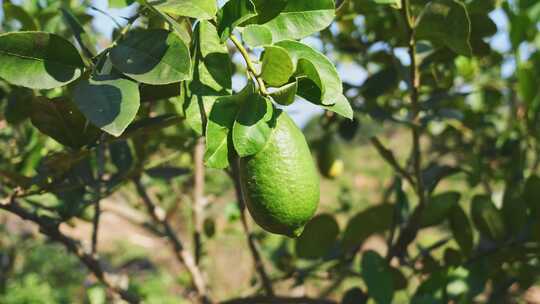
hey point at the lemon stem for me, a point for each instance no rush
(250, 67)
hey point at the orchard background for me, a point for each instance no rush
(121, 123)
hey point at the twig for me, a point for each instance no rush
(49, 227)
(116, 23)
(182, 254)
(257, 259)
(95, 225)
(249, 64)
(391, 160)
(198, 197)
(277, 299)
(97, 204)
(410, 231)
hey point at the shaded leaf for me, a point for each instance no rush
(211, 76)
(80, 34)
(286, 94)
(109, 102)
(152, 56)
(439, 207)
(252, 126)
(441, 15)
(19, 105)
(378, 277)
(487, 218)
(121, 156)
(232, 14)
(61, 120)
(318, 238)
(220, 122)
(367, 222)
(461, 229)
(38, 60)
(159, 92)
(267, 10)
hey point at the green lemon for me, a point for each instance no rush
(329, 157)
(280, 183)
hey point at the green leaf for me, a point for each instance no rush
(211, 76)
(318, 69)
(198, 9)
(252, 127)
(487, 218)
(255, 35)
(341, 107)
(19, 105)
(61, 120)
(378, 277)
(153, 56)
(438, 17)
(181, 25)
(277, 66)
(220, 122)
(120, 3)
(267, 10)
(14, 12)
(38, 60)
(159, 92)
(121, 156)
(376, 219)
(80, 34)
(300, 19)
(232, 14)
(109, 102)
(461, 229)
(318, 238)
(286, 94)
(380, 83)
(439, 207)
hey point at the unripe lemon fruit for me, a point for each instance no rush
(329, 157)
(280, 183)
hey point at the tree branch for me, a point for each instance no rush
(391, 160)
(257, 259)
(408, 234)
(99, 187)
(182, 254)
(50, 227)
(198, 197)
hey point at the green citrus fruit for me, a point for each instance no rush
(329, 157)
(280, 183)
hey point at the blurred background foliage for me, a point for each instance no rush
(479, 238)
